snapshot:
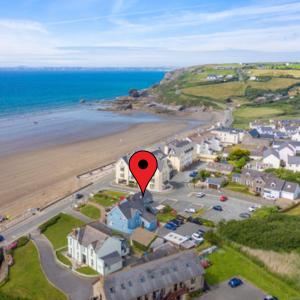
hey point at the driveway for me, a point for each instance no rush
(224, 292)
(75, 287)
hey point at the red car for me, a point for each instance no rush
(223, 198)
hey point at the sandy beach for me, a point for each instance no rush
(35, 178)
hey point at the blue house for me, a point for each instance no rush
(133, 212)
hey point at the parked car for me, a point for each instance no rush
(195, 220)
(235, 282)
(223, 198)
(269, 297)
(253, 208)
(170, 226)
(78, 196)
(190, 210)
(173, 224)
(218, 208)
(180, 219)
(200, 195)
(177, 222)
(193, 174)
(197, 238)
(245, 215)
(2, 238)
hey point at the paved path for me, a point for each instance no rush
(75, 287)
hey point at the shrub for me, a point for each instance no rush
(22, 241)
(276, 232)
(49, 223)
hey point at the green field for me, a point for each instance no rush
(289, 109)
(91, 211)
(26, 278)
(57, 233)
(108, 198)
(228, 262)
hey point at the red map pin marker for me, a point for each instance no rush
(142, 165)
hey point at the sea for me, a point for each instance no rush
(41, 108)
(33, 91)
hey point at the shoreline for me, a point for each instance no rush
(36, 178)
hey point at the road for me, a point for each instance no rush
(180, 197)
(75, 287)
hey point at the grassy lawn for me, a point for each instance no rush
(165, 217)
(63, 258)
(268, 72)
(87, 271)
(57, 233)
(91, 211)
(228, 262)
(235, 187)
(108, 198)
(26, 278)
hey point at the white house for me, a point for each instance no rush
(94, 246)
(159, 181)
(296, 136)
(273, 188)
(290, 191)
(271, 158)
(206, 147)
(229, 136)
(293, 163)
(180, 153)
(286, 150)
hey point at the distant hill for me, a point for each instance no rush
(254, 90)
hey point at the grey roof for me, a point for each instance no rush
(269, 152)
(294, 160)
(92, 234)
(111, 258)
(274, 184)
(177, 147)
(155, 275)
(253, 174)
(286, 145)
(290, 187)
(229, 129)
(219, 167)
(215, 180)
(135, 203)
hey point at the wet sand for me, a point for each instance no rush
(34, 178)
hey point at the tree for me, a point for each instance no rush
(238, 153)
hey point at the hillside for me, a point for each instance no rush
(261, 91)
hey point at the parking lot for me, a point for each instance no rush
(224, 292)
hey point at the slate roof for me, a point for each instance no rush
(111, 258)
(177, 147)
(92, 234)
(294, 160)
(155, 275)
(229, 129)
(269, 152)
(215, 180)
(135, 203)
(219, 167)
(290, 187)
(274, 184)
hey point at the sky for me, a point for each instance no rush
(143, 33)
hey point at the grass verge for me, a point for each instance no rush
(26, 278)
(90, 211)
(57, 232)
(87, 271)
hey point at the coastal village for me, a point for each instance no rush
(138, 248)
(218, 219)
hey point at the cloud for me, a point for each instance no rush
(22, 25)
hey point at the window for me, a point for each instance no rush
(193, 280)
(175, 287)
